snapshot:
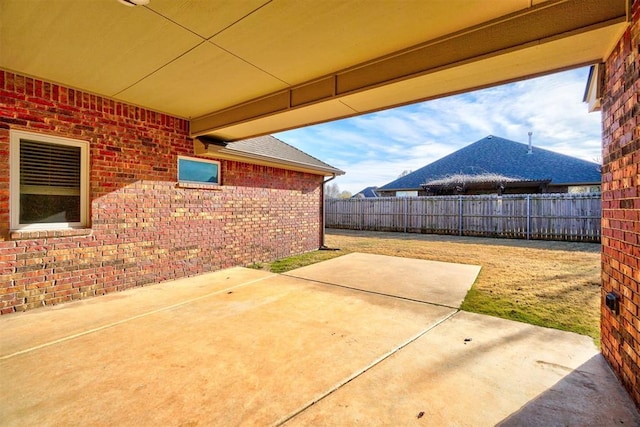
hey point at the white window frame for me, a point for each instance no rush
(409, 193)
(14, 177)
(199, 160)
(583, 189)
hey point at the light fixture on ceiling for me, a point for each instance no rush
(134, 2)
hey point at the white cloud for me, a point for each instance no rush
(374, 149)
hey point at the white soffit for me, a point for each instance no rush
(188, 84)
(298, 41)
(249, 67)
(206, 17)
(526, 44)
(96, 45)
(533, 61)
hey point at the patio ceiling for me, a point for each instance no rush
(241, 68)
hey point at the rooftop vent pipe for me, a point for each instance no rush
(530, 147)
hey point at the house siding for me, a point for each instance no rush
(144, 227)
(621, 208)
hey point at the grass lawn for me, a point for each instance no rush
(552, 284)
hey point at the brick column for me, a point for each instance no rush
(621, 208)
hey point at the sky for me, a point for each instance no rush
(374, 149)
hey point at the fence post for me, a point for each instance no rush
(406, 212)
(528, 216)
(460, 212)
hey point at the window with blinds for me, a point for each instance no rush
(48, 181)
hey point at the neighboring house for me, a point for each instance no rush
(366, 193)
(97, 195)
(495, 165)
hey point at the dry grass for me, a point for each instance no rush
(553, 284)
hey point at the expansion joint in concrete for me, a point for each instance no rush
(364, 370)
(368, 291)
(129, 319)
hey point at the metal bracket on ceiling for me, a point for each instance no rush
(207, 140)
(132, 3)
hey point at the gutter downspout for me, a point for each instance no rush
(322, 230)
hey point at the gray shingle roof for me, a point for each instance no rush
(367, 192)
(272, 149)
(504, 157)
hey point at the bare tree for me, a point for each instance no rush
(331, 191)
(405, 173)
(598, 160)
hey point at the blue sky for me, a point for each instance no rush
(374, 149)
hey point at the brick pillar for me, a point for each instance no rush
(621, 207)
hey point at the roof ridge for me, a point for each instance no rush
(273, 149)
(495, 154)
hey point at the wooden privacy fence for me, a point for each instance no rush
(525, 216)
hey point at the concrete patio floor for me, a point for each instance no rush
(361, 339)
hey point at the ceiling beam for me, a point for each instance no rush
(546, 22)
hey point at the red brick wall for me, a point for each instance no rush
(144, 227)
(621, 208)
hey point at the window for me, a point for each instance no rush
(406, 194)
(581, 189)
(48, 181)
(198, 170)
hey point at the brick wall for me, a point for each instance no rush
(145, 228)
(621, 207)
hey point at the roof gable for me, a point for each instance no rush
(367, 192)
(495, 155)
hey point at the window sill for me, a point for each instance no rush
(49, 234)
(198, 186)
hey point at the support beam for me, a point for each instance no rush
(547, 22)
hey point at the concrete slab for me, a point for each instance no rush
(226, 356)
(435, 282)
(243, 346)
(33, 328)
(475, 370)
